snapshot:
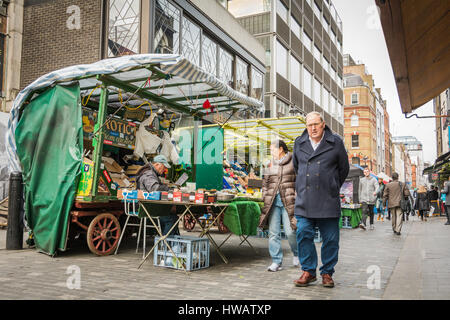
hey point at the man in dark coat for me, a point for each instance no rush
(321, 164)
(446, 191)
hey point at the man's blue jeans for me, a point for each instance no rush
(167, 223)
(329, 230)
(277, 216)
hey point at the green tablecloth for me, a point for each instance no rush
(242, 217)
(354, 214)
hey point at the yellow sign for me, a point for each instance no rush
(87, 173)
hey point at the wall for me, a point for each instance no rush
(48, 43)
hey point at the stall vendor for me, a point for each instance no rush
(148, 179)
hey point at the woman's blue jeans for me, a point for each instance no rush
(329, 230)
(278, 216)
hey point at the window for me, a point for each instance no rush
(354, 98)
(282, 11)
(257, 84)
(241, 76)
(355, 160)
(333, 106)
(317, 11)
(281, 60)
(355, 141)
(333, 74)
(209, 55)
(307, 83)
(340, 112)
(295, 72)
(326, 65)
(333, 37)
(307, 41)
(317, 53)
(190, 43)
(325, 100)
(282, 108)
(354, 122)
(225, 67)
(123, 27)
(317, 93)
(295, 27)
(309, 2)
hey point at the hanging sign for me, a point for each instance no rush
(117, 132)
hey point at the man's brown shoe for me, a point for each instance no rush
(305, 279)
(327, 281)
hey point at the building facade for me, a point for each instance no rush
(89, 30)
(441, 105)
(366, 129)
(304, 61)
(414, 149)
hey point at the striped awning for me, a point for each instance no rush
(148, 81)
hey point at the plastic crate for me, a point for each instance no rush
(192, 252)
(317, 236)
(346, 223)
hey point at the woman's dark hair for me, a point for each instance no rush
(281, 144)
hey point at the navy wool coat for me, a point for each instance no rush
(320, 175)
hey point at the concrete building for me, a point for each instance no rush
(366, 128)
(304, 61)
(398, 164)
(414, 149)
(441, 105)
(61, 33)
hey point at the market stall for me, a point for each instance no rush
(80, 134)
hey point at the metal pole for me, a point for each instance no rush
(14, 235)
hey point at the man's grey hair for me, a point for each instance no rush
(314, 113)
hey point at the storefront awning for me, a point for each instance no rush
(146, 81)
(438, 164)
(416, 33)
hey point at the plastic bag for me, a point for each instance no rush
(146, 142)
(430, 213)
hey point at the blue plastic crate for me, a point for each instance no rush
(346, 223)
(192, 252)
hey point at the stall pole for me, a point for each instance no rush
(98, 138)
(14, 235)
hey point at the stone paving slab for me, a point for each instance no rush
(27, 274)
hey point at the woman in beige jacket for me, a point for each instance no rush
(279, 201)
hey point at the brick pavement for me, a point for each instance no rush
(414, 265)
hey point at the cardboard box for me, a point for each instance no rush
(132, 170)
(177, 196)
(200, 198)
(111, 165)
(121, 180)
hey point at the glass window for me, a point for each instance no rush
(190, 43)
(355, 141)
(123, 27)
(282, 11)
(257, 84)
(317, 93)
(295, 27)
(307, 83)
(241, 76)
(355, 98)
(209, 55)
(309, 2)
(295, 72)
(340, 112)
(282, 108)
(317, 11)
(333, 37)
(317, 53)
(326, 65)
(281, 60)
(333, 106)
(167, 27)
(307, 41)
(225, 67)
(325, 100)
(333, 74)
(354, 121)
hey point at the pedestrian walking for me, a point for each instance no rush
(395, 193)
(446, 192)
(422, 203)
(321, 164)
(434, 198)
(368, 187)
(279, 199)
(379, 201)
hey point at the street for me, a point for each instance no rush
(411, 266)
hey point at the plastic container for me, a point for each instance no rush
(192, 252)
(155, 195)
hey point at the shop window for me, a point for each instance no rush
(209, 55)
(190, 43)
(226, 67)
(257, 85)
(355, 141)
(242, 78)
(123, 27)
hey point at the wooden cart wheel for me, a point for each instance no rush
(103, 234)
(222, 227)
(188, 223)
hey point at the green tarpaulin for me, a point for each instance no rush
(242, 217)
(49, 139)
(354, 214)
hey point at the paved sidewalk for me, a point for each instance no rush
(412, 266)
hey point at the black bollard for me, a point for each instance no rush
(14, 235)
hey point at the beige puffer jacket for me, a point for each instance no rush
(279, 177)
